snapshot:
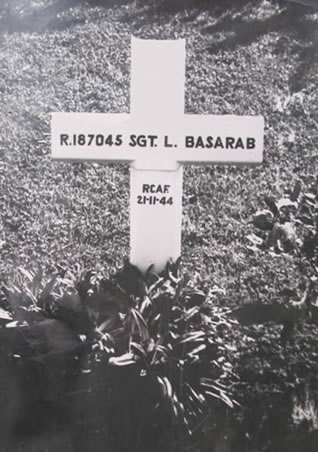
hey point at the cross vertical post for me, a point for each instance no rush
(157, 95)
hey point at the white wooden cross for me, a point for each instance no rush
(157, 139)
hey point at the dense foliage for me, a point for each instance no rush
(160, 332)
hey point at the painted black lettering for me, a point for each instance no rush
(209, 142)
(108, 140)
(152, 139)
(250, 143)
(199, 143)
(119, 140)
(166, 142)
(133, 140)
(189, 142)
(218, 143)
(142, 141)
(64, 138)
(239, 144)
(99, 140)
(229, 142)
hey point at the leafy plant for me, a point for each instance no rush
(288, 226)
(159, 328)
(175, 334)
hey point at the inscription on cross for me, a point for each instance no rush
(157, 138)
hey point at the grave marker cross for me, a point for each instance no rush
(157, 138)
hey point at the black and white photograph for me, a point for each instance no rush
(158, 225)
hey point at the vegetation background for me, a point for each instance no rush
(245, 57)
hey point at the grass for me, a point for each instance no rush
(251, 57)
(81, 62)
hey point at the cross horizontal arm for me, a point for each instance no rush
(190, 139)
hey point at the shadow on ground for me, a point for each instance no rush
(46, 18)
(292, 21)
